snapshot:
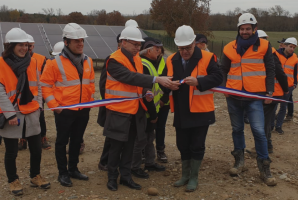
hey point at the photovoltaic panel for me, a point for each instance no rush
(53, 29)
(96, 41)
(7, 26)
(91, 31)
(105, 31)
(54, 39)
(29, 28)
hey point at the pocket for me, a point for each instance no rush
(117, 122)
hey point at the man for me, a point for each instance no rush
(248, 65)
(125, 120)
(201, 42)
(191, 102)
(150, 51)
(288, 59)
(67, 80)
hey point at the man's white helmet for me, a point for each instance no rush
(291, 40)
(184, 36)
(247, 18)
(262, 33)
(57, 48)
(16, 35)
(74, 31)
(132, 23)
(131, 33)
(30, 38)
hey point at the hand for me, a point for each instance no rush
(287, 92)
(149, 96)
(58, 111)
(161, 104)
(175, 85)
(267, 101)
(227, 95)
(165, 81)
(192, 81)
(154, 121)
(13, 122)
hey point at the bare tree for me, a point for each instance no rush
(49, 11)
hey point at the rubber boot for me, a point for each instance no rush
(194, 175)
(185, 174)
(265, 174)
(239, 163)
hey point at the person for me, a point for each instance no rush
(201, 42)
(191, 102)
(149, 53)
(125, 78)
(288, 59)
(281, 43)
(68, 80)
(19, 75)
(248, 65)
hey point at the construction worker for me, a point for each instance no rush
(125, 120)
(288, 59)
(67, 80)
(248, 65)
(191, 102)
(19, 75)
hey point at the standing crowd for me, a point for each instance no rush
(181, 83)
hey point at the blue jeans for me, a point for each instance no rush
(255, 114)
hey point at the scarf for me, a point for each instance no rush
(19, 67)
(243, 45)
(77, 60)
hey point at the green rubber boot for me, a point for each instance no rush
(194, 175)
(185, 174)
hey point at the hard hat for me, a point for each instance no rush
(246, 18)
(74, 31)
(30, 38)
(16, 35)
(184, 36)
(131, 33)
(291, 40)
(132, 23)
(262, 33)
(57, 48)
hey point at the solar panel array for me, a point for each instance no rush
(100, 43)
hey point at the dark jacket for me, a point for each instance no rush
(183, 118)
(117, 125)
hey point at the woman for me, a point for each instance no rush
(20, 91)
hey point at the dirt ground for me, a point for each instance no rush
(214, 180)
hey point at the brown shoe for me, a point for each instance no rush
(22, 144)
(82, 148)
(102, 167)
(16, 188)
(40, 182)
(45, 144)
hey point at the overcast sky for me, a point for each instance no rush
(138, 6)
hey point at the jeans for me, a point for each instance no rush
(160, 130)
(255, 114)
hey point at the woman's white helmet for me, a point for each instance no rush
(16, 35)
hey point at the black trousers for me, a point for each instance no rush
(160, 130)
(268, 114)
(70, 125)
(120, 155)
(11, 153)
(191, 142)
(105, 152)
(43, 126)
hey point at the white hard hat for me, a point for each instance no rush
(291, 40)
(74, 31)
(131, 33)
(262, 33)
(16, 35)
(246, 18)
(131, 22)
(184, 36)
(30, 38)
(57, 48)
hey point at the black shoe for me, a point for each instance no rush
(112, 185)
(102, 167)
(78, 175)
(279, 130)
(131, 184)
(288, 118)
(65, 180)
(155, 167)
(140, 173)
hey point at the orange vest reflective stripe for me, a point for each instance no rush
(248, 71)
(9, 80)
(199, 102)
(40, 60)
(288, 66)
(116, 89)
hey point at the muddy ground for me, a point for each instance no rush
(214, 180)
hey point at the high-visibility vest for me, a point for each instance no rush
(161, 66)
(199, 102)
(40, 61)
(248, 71)
(288, 65)
(116, 89)
(61, 84)
(155, 88)
(10, 81)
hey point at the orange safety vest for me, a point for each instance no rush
(199, 102)
(116, 89)
(40, 60)
(61, 84)
(10, 81)
(248, 71)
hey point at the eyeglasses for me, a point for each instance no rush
(188, 48)
(136, 45)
